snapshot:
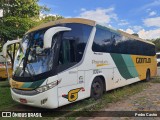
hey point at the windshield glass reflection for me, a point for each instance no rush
(31, 59)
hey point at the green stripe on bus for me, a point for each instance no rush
(26, 84)
(130, 65)
(121, 65)
(37, 83)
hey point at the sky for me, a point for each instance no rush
(132, 16)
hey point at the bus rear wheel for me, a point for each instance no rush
(148, 75)
(97, 88)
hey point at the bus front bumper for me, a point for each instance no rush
(47, 99)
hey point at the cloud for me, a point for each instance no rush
(137, 28)
(152, 22)
(133, 29)
(144, 34)
(148, 10)
(123, 22)
(83, 9)
(152, 13)
(67, 16)
(42, 15)
(150, 34)
(103, 16)
(147, 7)
(130, 31)
(152, 4)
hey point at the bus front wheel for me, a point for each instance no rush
(97, 88)
(148, 75)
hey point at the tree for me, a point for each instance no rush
(18, 17)
(48, 18)
(157, 44)
(135, 34)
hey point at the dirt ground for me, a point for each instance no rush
(158, 71)
(147, 100)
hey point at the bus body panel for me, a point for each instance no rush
(46, 99)
(50, 97)
(71, 78)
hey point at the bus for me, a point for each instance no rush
(3, 72)
(158, 58)
(71, 59)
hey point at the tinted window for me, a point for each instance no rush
(102, 41)
(112, 42)
(73, 43)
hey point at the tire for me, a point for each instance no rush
(148, 75)
(97, 88)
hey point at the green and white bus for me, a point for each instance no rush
(71, 59)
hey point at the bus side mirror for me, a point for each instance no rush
(50, 33)
(7, 44)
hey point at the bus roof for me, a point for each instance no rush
(87, 22)
(66, 20)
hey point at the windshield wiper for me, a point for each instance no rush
(26, 57)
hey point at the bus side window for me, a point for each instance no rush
(115, 40)
(67, 51)
(102, 41)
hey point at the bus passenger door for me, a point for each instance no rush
(67, 71)
(67, 59)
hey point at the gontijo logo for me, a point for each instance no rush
(143, 60)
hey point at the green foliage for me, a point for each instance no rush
(51, 18)
(14, 26)
(156, 79)
(19, 16)
(21, 8)
(157, 44)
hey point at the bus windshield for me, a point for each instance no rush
(31, 58)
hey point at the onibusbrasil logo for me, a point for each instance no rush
(20, 114)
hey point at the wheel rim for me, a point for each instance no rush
(96, 89)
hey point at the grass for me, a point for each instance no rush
(5, 96)
(112, 96)
(156, 79)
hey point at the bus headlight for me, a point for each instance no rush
(48, 86)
